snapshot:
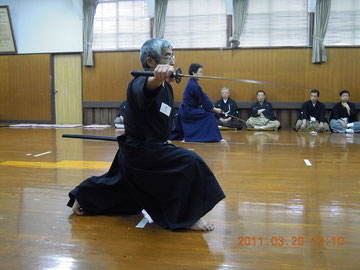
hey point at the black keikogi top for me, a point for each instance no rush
(229, 107)
(309, 110)
(267, 113)
(149, 113)
(173, 184)
(339, 111)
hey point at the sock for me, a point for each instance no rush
(349, 130)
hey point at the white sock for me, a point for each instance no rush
(259, 127)
(349, 130)
(350, 125)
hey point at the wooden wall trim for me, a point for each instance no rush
(27, 121)
(52, 89)
(228, 48)
(241, 105)
(101, 104)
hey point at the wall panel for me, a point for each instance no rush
(25, 87)
(108, 80)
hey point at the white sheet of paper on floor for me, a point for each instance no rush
(119, 126)
(146, 219)
(97, 126)
(21, 125)
(147, 216)
(142, 223)
(307, 162)
(68, 126)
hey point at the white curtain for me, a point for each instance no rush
(196, 23)
(240, 11)
(271, 23)
(320, 25)
(121, 25)
(160, 18)
(89, 7)
(344, 24)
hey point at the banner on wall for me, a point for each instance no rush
(7, 39)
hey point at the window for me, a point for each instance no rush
(123, 24)
(276, 23)
(196, 23)
(344, 23)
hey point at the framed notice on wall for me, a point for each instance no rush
(7, 39)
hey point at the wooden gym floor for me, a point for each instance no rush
(279, 212)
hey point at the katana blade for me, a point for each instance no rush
(232, 116)
(178, 75)
(229, 79)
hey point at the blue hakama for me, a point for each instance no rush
(195, 121)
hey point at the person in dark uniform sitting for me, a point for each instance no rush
(119, 120)
(195, 121)
(229, 107)
(343, 118)
(312, 114)
(262, 116)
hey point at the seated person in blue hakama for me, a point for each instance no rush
(196, 121)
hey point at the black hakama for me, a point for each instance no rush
(174, 185)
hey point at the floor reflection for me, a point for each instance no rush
(270, 193)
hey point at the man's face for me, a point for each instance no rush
(167, 57)
(344, 97)
(314, 97)
(260, 96)
(225, 94)
(199, 72)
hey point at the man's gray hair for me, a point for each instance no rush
(225, 88)
(153, 48)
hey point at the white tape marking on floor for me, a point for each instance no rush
(45, 153)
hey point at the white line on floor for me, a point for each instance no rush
(45, 153)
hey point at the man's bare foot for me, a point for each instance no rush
(223, 141)
(201, 225)
(76, 209)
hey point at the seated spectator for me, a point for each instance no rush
(262, 116)
(312, 114)
(343, 118)
(119, 120)
(228, 107)
(196, 121)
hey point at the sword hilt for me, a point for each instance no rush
(177, 74)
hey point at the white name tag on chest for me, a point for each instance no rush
(165, 109)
